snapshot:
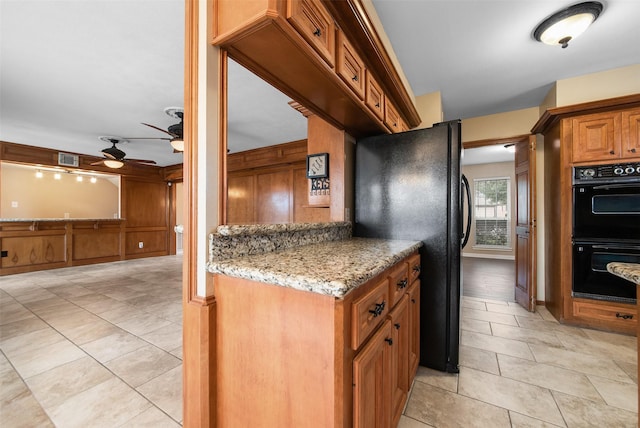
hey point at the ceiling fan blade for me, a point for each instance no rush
(143, 161)
(159, 129)
(98, 163)
(150, 138)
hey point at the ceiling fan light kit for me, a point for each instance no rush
(113, 163)
(175, 130)
(178, 144)
(567, 24)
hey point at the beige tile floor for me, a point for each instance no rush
(100, 346)
(92, 346)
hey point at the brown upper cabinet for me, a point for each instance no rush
(391, 117)
(607, 136)
(314, 23)
(374, 97)
(350, 66)
(314, 51)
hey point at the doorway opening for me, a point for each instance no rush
(488, 261)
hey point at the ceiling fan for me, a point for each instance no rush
(175, 130)
(114, 157)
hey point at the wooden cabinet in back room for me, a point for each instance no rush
(598, 133)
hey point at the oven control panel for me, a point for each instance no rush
(607, 173)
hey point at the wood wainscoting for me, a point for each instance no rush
(145, 227)
(28, 246)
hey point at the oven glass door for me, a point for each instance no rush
(610, 211)
(590, 277)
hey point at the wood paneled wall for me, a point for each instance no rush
(269, 185)
(147, 217)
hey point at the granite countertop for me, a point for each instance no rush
(333, 268)
(628, 271)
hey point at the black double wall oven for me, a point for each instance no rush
(606, 228)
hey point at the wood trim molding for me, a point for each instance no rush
(198, 375)
(222, 127)
(495, 141)
(295, 151)
(553, 115)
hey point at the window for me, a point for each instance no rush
(492, 207)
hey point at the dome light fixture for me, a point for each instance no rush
(178, 144)
(113, 163)
(567, 24)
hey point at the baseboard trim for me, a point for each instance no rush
(488, 256)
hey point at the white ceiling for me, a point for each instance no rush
(71, 71)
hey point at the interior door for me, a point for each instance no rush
(525, 163)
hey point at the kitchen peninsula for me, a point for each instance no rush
(313, 328)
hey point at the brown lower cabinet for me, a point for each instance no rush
(292, 358)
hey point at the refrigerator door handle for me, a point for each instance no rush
(465, 235)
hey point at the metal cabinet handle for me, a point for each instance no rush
(378, 309)
(612, 152)
(317, 33)
(416, 269)
(397, 326)
(389, 341)
(624, 316)
(355, 78)
(402, 284)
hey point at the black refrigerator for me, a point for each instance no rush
(409, 186)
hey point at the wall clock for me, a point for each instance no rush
(318, 165)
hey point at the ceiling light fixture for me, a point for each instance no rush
(178, 144)
(79, 179)
(57, 176)
(93, 180)
(39, 174)
(113, 163)
(567, 24)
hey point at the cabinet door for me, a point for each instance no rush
(314, 23)
(414, 329)
(596, 137)
(391, 116)
(631, 134)
(399, 358)
(371, 381)
(374, 97)
(350, 67)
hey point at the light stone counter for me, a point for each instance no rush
(333, 267)
(628, 271)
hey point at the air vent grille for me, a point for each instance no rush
(67, 159)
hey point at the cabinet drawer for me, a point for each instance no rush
(374, 97)
(350, 67)
(391, 116)
(398, 282)
(414, 268)
(313, 22)
(368, 311)
(605, 314)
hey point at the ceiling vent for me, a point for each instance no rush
(67, 159)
